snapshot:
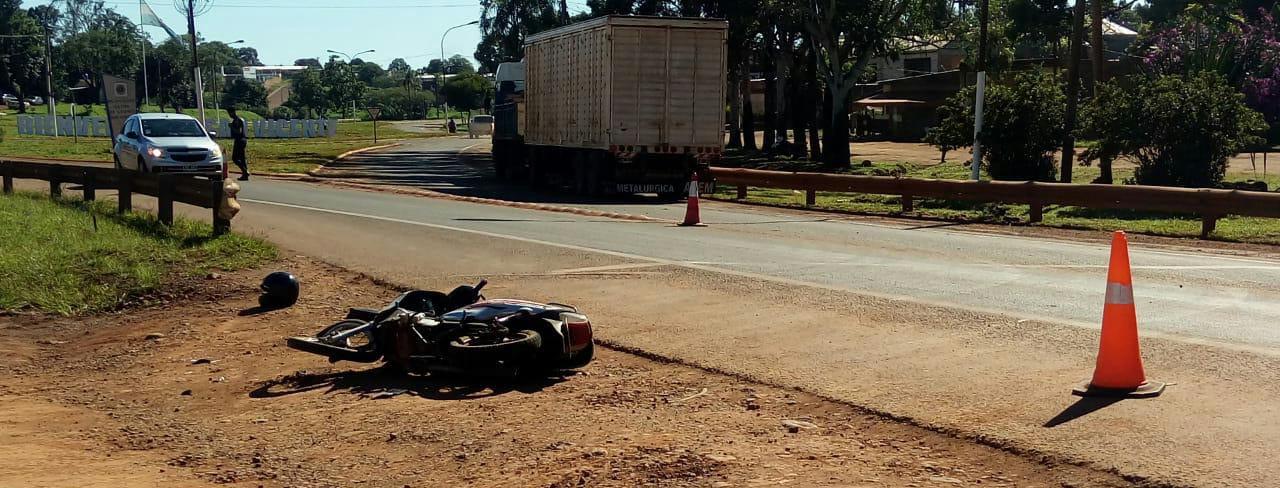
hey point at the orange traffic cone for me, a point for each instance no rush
(691, 214)
(1119, 369)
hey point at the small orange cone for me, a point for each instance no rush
(691, 214)
(1119, 369)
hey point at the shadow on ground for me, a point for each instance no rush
(462, 174)
(377, 383)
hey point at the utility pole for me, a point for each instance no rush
(1073, 90)
(983, 20)
(48, 80)
(195, 58)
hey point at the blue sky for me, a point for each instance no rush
(285, 30)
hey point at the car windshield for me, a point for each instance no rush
(171, 128)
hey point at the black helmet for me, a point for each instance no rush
(279, 289)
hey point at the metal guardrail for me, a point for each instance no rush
(203, 190)
(1209, 204)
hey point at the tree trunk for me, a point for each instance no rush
(770, 112)
(1073, 91)
(735, 107)
(748, 115)
(1098, 52)
(836, 139)
(816, 123)
(782, 87)
(799, 110)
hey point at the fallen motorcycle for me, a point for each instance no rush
(459, 333)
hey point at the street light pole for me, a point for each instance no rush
(351, 57)
(980, 97)
(440, 86)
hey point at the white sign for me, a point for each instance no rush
(42, 125)
(280, 128)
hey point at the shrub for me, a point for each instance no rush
(1179, 129)
(400, 105)
(1022, 126)
(282, 113)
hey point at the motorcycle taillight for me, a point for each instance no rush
(579, 329)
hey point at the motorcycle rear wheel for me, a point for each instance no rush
(512, 346)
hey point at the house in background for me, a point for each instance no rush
(919, 56)
(264, 73)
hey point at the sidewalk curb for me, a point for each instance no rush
(319, 169)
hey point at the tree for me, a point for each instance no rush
(367, 72)
(1181, 130)
(847, 34)
(110, 47)
(309, 93)
(399, 64)
(344, 90)
(455, 64)
(245, 94)
(1246, 54)
(1021, 129)
(248, 56)
(308, 62)
(170, 65)
(22, 66)
(504, 25)
(467, 91)
(79, 15)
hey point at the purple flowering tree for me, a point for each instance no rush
(1245, 52)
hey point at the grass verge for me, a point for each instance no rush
(265, 155)
(1236, 229)
(55, 258)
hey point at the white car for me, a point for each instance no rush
(480, 125)
(166, 143)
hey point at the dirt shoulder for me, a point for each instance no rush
(117, 400)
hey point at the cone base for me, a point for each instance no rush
(695, 224)
(1146, 390)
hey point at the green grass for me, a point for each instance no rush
(1238, 229)
(61, 263)
(265, 155)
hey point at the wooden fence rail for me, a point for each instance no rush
(198, 189)
(1209, 204)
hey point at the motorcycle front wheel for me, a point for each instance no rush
(362, 342)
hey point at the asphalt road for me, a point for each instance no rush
(1200, 296)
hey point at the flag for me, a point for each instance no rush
(149, 17)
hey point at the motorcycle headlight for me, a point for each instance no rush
(156, 152)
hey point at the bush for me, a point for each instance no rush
(282, 113)
(1022, 126)
(1180, 129)
(400, 105)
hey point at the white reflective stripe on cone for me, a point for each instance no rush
(693, 188)
(1119, 294)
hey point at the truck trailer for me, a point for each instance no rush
(616, 104)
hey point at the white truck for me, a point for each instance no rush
(616, 104)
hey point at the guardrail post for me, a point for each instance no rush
(1208, 223)
(810, 198)
(55, 181)
(220, 225)
(742, 192)
(165, 197)
(6, 170)
(1036, 213)
(908, 203)
(90, 188)
(124, 182)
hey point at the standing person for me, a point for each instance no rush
(240, 139)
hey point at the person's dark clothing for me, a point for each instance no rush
(240, 140)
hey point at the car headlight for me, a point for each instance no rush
(217, 151)
(156, 152)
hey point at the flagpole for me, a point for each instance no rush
(146, 90)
